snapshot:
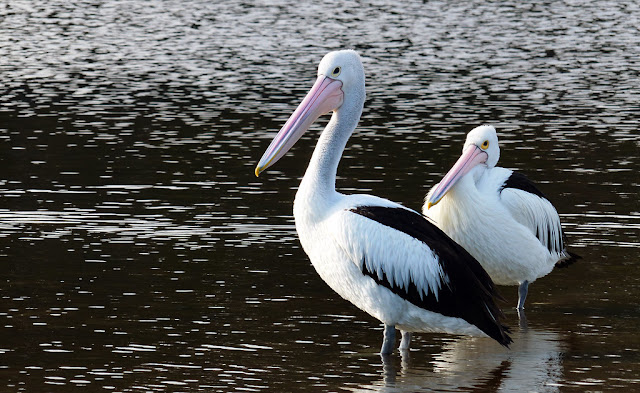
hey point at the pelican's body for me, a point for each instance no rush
(498, 215)
(387, 260)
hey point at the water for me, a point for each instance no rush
(140, 253)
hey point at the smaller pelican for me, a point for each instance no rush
(498, 215)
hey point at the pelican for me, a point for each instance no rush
(387, 260)
(498, 215)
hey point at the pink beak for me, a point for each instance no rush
(325, 96)
(471, 156)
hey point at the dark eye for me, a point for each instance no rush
(336, 71)
(485, 144)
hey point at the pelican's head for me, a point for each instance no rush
(484, 138)
(339, 73)
(480, 148)
(344, 66)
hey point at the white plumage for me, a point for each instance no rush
(498, 215)
(342, 242)
(387, 260)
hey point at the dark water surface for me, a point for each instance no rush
(140, 253)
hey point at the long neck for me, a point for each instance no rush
(465, 193)
(320, 178)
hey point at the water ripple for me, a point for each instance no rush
(141, 253)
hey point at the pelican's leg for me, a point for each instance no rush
(389, 340)
(406, 341)
(522, 294)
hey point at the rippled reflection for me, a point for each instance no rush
(140, 252)
(533, 364)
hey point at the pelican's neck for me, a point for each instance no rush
(319, 180)
(465, 188)
(465, 192)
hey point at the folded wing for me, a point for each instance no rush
(424, 266)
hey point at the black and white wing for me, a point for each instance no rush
(424, 266)
(531, 208)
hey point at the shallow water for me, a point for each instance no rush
(141, 254)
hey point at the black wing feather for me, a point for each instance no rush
(470, 294)
(573, 257)
(521, 182)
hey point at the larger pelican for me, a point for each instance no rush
(387, 260)
(498, 215)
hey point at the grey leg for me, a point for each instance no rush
(389, 340)
(406, 341)
(522, 292)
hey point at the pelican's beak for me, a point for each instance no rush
(325, 96)
(471, 156)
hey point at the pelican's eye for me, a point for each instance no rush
(336, 72)
(485, 145)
